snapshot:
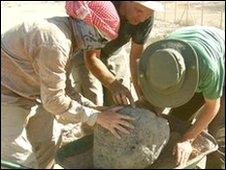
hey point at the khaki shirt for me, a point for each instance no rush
(36, 65)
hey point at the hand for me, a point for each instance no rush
(101, 108)
(113, 121)
(120, 94)
(182, 151)
(141, 102)
(146, 105)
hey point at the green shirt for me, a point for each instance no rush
(209, 45)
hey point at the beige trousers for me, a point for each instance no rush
(30, 135)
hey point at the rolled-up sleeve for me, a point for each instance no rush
(52, 63)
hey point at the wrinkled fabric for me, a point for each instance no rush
(87, 37)
(78, 9)
(23, 138)
(37, 66)
(100, 14)
(36, 87)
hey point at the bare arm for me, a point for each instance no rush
(98, 68)
(183, 149)
(206, 115)
(135, 53)
(119, 92)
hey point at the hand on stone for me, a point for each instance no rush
(182, 151)
(142, 103)
(120, 94)
(114, 122)
(101, 108)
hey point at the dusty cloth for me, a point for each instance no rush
(23, 141)
(87, 37)
(35, 71)
(100, 14)
(37, 66)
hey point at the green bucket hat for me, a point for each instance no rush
(168, 73)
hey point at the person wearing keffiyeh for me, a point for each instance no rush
(110, 77)
(36, 62)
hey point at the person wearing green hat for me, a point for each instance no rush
(185, 72)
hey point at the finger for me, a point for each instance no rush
(178, 156)
(186, 157)
(174, 150)
(122, 129)
(129, 96)
(183, 158)
(118, 99)
(114, 99)
(123, 99)
(113, 131)
(127, 117)
(116, 108)
(127, 124)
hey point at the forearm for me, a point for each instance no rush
(120, 93)
(205, 116)
(53, 84)
(133, 70)
(67, 109)
(98, 69)
(136, 52)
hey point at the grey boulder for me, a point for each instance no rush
(139, 149)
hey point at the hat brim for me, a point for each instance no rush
(190, 83)
(156, 6)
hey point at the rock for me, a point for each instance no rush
(139, 149)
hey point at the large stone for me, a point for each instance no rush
(139, 149)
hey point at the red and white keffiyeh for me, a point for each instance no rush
(100, 14)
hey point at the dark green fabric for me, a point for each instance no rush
(175, 93)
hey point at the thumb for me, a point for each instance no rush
(117, 108)
(132, 103)
(174, 150)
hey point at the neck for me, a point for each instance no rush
(123, 8)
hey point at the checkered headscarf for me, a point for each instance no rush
(100, 14)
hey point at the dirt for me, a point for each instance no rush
(80, 161)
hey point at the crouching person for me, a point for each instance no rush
(35, 85)
(186, 73)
